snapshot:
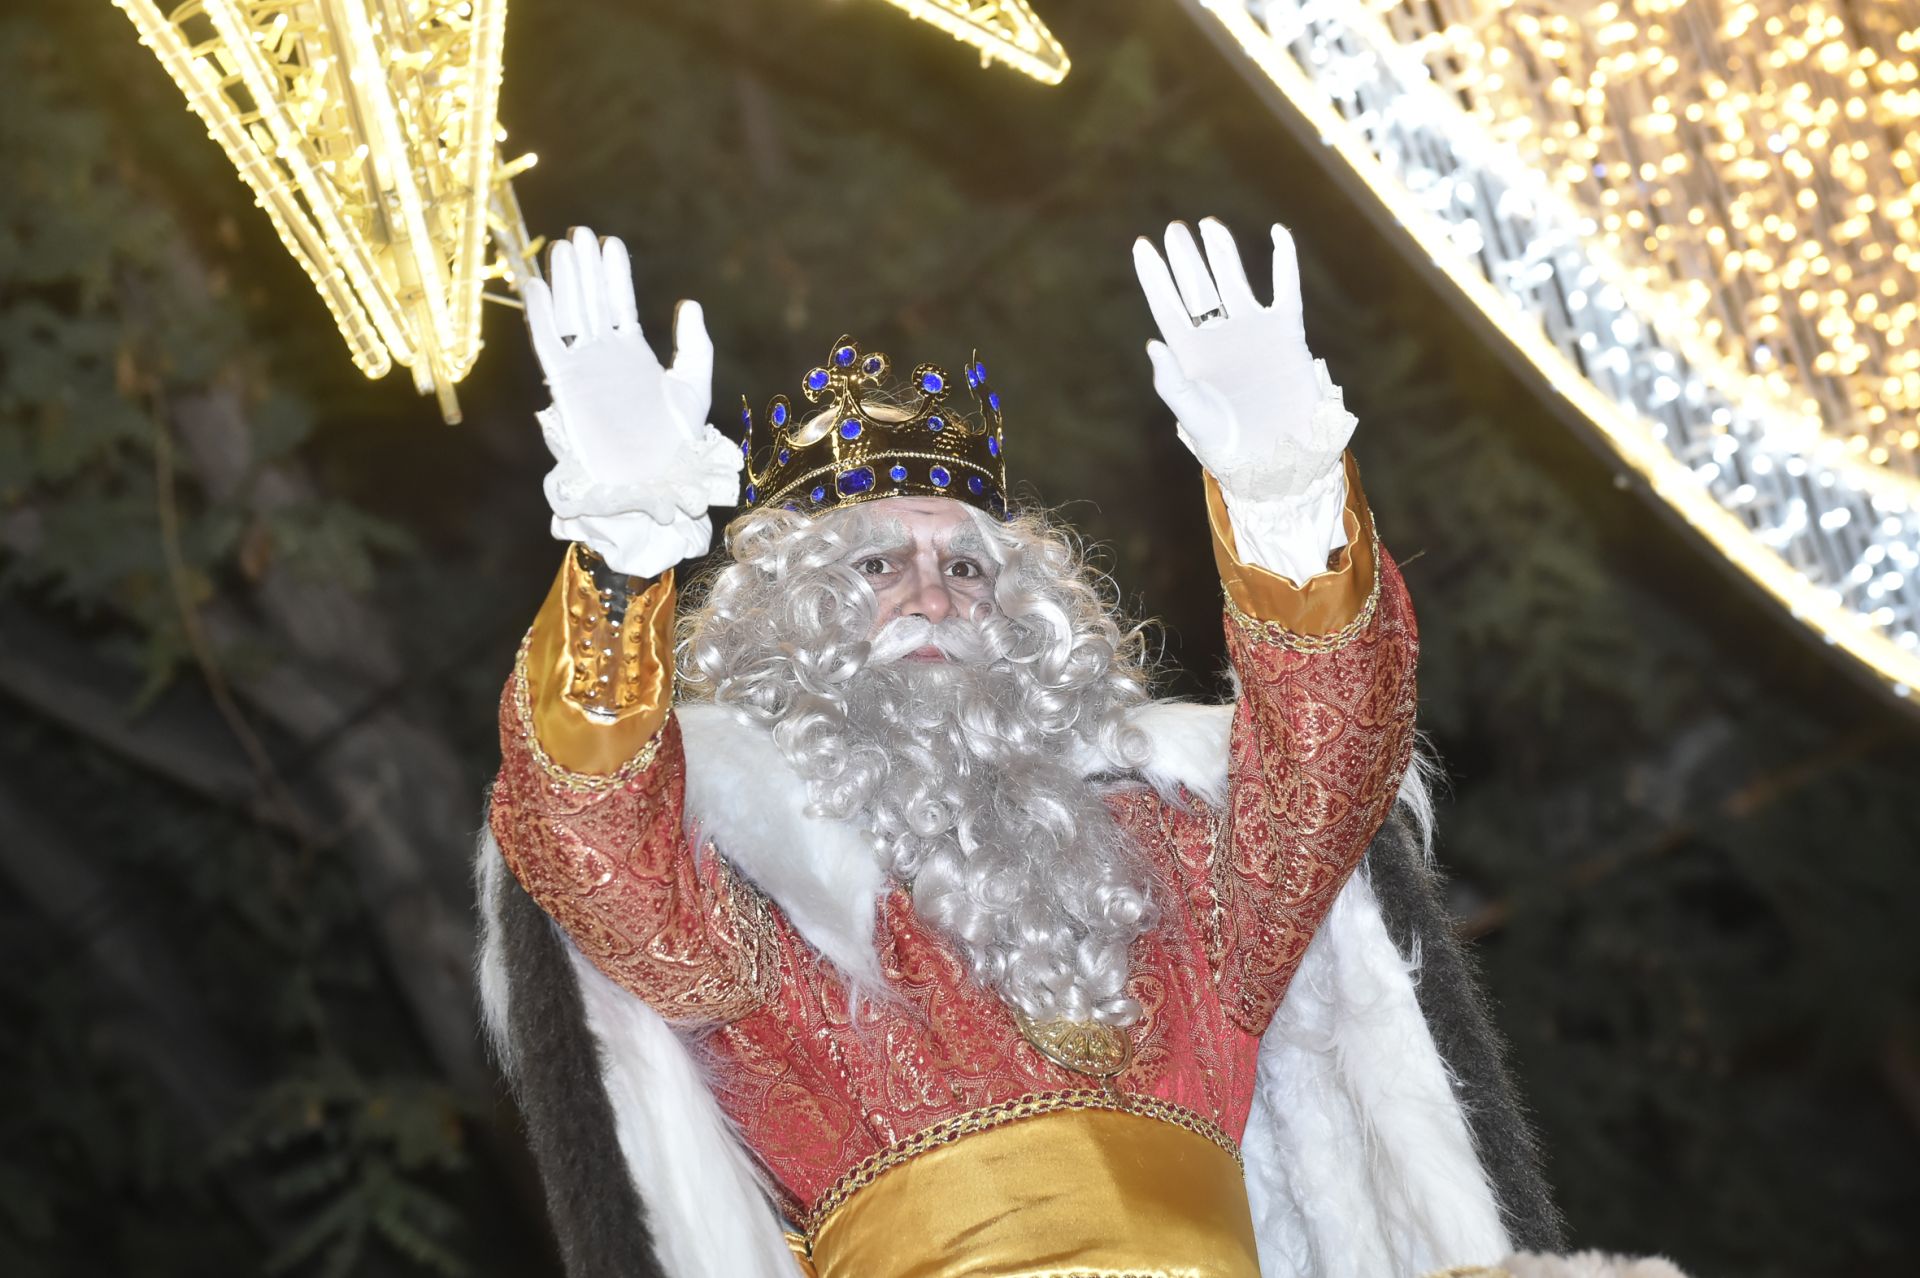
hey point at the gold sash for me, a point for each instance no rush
(1086, 1191)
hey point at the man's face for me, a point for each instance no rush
(929, 560)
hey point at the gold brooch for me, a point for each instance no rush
(1084, 1047)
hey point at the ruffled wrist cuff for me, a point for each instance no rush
(1286, 506)
(698, 473)
(1292, 537)
(1296, 462)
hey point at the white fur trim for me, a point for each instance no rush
(1186, 746)
(744, 796)
(489, 874)
(1359, 1159)
(706, 1206)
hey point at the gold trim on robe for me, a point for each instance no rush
(1324, 612)
(1096, 1186)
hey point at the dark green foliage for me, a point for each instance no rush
(210, 956)
(1686, 840)
(348, 1154)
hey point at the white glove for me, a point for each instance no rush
(636, 464)
(1254, 405)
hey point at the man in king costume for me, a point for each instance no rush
(871, 919)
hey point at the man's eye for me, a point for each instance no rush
(964, 568)
(873, 567)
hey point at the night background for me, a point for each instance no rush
(255, 613)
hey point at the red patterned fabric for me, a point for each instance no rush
(1318, 745)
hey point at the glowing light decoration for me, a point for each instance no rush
(1695, 222)
(1002, 30)
(367, 132)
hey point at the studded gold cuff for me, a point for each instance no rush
(1325, 612)
(599, 669)
(556, 772)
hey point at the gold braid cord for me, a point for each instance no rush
(1031, 1105)
(559, 774)
(1275, 633)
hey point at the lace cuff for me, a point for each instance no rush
(701, 472)
(1295, 537)
(1293, 466)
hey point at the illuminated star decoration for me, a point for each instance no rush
(1002, 30)
(372, 145)
(1694, 222)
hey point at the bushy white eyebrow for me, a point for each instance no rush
(967, 540)
(881, 535)
(886, 536)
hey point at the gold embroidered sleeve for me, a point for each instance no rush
(1321, 736)
(604, 849)
(599, 665)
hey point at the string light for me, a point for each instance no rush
(367, 133)
(1699, 227)
(1005, 31)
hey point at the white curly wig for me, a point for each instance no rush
(963, 772)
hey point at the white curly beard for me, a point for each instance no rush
(998, 835)
(963, 771)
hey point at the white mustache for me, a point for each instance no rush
(957, 638)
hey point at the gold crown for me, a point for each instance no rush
(867, 440)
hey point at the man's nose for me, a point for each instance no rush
(931, 600)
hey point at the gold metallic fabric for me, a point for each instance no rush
(797, 1244)
(1328, 603)
(1073, 1193)
(571, 650)
(1084, 1047)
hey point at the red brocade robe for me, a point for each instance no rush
(589, 817)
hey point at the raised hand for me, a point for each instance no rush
(636, 464)
(1238, 375)
(1253, 404)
